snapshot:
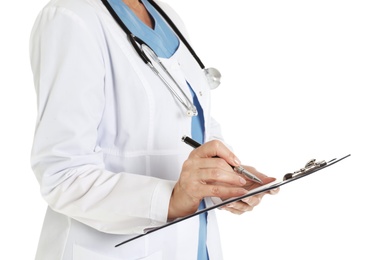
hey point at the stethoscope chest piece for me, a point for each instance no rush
(213, 77)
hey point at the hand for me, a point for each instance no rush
(203, 175)
(248, 203)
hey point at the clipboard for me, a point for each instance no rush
(310, 167)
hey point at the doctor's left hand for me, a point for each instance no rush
(248, 203)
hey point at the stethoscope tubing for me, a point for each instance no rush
(177, 31)
(167, 19)
(190, 107)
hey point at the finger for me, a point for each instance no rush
(218, 171)
(214, 162)
(274, 191)
(211, 170)
(216, 148)
(238, 207)
(220, 191)
(264, 178)
(252, 201)
(216, 176)
(198, 183)
(232, 210)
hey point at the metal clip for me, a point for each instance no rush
(310, 166)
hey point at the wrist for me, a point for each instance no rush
(180, 204)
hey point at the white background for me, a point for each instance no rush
(301, 80)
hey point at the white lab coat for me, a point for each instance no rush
(107, 149)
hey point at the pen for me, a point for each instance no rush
(239, 169)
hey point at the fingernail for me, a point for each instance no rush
(245, 199)
(242, 180)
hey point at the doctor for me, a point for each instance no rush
(107, 150)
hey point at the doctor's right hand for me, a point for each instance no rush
(207, 172)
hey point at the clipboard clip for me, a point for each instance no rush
(310, 167)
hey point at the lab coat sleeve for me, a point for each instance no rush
(69, 74)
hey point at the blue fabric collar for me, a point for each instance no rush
(161, 39)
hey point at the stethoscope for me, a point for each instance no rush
(213, 76)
